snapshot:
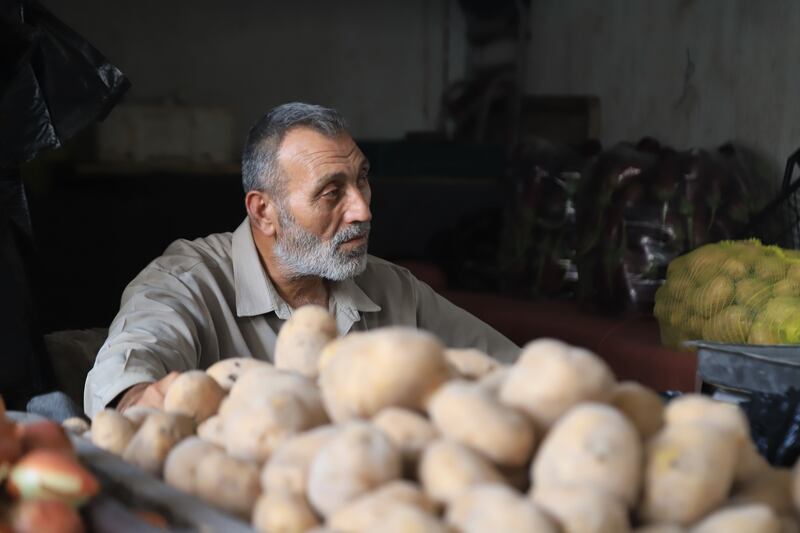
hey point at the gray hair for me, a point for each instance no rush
(260, 168)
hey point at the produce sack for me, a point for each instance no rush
(734, 292)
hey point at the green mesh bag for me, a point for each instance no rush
(736, 292)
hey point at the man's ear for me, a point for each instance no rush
(262, 212)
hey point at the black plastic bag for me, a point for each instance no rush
(775, 425)
(52, 82)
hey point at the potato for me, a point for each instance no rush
(660, 528)
(470, 415)
(252, 434)
(447, 468)
(593, 446)
(550, 377)
(471, 363)
(496, 507)
(583, 510)
(388, 367)
(227, 371)
(356, 460)
(402, 518)
(688, 473)
(180, 467)
(747, 519)
(302, 338)
(76, 425)
(137, 414)
(368, 511)
(287, 468)
(642, 405)
(228, 483)
(410, 432)
(194, 394)
(750, 465)
(691, 408)
(112, 431)
(283, 512)
(260, 387)
(796, 487)
(150, 445)
(493, 381)
(773, 488)
(213, 431)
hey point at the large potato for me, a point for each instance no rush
(470, 363)
(447, 468)
(228, 483)
(150, 445)
(283, 512)
(696, 408)
(796, 487)
(688, 473)
(593, 446)
(495, 507)
(409, 431)
(227, 372)
(180, 468)
(112, 431)
(260, 387)
(213, 431)
(660, 528)
(138, 413)
(583, 510)
(302, 338)
(357, 459)
(468, 414)
(388, 367)
(745, 519)
(287, 468)
(75, 425)
(550, 377)
(368, 511)
(194, 394)
(642, 405)
(772, 487)
(403, 518)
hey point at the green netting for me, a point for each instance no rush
(738, 292)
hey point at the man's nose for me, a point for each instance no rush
(358, 208)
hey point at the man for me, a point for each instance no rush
(304, 242)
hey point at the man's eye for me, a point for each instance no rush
(331, 193)
(364, 178)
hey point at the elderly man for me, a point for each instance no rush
(304, 241)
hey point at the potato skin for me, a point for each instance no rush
(550, 377)
(228, 483)
(226, 372)
(287, 468)
(137, 414)
(746, 519)
(76, 425)
(468, 414)
(496, 507)
(409, 431)
(194, 394)
(689, 472)
(283, 512)
(583, 510)
(356, 460)
(470, 363)
(368, 511)
(592, 446)
(642, 405)
(150, 445)
(447, 468)
(387, 367)
(111, 431)
(302, 338)
(180, 467)
(213, 431)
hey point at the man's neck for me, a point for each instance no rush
(294, 291)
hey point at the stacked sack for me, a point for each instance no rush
(736, 292)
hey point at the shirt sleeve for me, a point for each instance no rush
(154, 333)
(457, 328)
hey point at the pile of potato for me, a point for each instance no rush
(390, 431)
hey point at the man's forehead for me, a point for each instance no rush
(312, 149)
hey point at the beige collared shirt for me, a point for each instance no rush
(209, 299)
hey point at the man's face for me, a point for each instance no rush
(324, 216)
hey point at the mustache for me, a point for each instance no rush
(353, 231)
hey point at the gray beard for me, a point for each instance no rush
(304, 254)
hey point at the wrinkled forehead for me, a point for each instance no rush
(314, 155)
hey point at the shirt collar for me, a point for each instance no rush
(255, 294)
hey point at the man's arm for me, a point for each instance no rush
(155, 332)
(457, 328)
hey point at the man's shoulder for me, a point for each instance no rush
(380, 273)
(186, 255)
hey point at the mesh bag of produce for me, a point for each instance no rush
(736, 292)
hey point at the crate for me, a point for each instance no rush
(779, 222)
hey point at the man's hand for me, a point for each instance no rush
(147, 394)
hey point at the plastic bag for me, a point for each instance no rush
(736, 292)
(54, 83)
(775, 426)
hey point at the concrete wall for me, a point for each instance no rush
(380, 62)
(690, 72)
